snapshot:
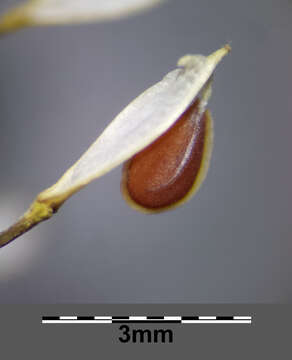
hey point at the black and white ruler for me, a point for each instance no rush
(146, 319)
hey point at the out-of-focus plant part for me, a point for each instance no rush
(143, 121)
(57, 12)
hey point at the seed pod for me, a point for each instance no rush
(145, 119)
(170, 121)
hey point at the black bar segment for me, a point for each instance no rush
(85, 317)
(51, 317)
(146, 322)
(224, 317)
(190, 317)
(120, 317)
(155, 317)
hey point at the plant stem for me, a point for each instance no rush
(44, 206)
(37, 213)
(13, 20)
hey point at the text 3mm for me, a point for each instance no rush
(129, 335)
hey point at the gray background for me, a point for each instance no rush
(61, 86)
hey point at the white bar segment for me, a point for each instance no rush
(242, 317)
(77, 322)
(207, 317)
(172, 317)
(68, 317)
(138, 318)
(102, 317)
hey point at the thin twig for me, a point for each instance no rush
(37, 213)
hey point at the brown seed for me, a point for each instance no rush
(170, 170)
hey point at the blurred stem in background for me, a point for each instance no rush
(51, 12)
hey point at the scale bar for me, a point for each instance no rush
(146, 319)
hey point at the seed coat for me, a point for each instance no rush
(170, 170)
